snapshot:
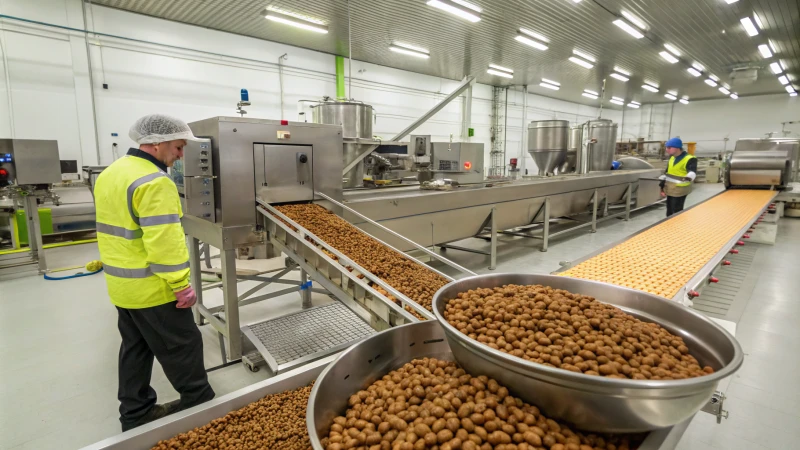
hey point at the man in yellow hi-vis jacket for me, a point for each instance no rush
(146, 263)
(676, 183)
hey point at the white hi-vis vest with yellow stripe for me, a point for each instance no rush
(139, 234)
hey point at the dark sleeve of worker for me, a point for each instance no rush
(691, 166)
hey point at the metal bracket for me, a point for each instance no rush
(715, 406)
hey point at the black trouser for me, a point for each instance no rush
(675, 205)
(169, 334)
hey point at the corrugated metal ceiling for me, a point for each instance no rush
(706, 31)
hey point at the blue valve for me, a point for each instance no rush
(245, 95)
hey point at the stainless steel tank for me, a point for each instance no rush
(573, 148)
(547, 143)
(599, 155)
(356, 119)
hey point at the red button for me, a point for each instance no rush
(694, 294)
(726, 263)
(284, 122)
(735, 252)
(714, 280)
(3, 173)
(467, 165)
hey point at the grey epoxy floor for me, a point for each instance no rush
(59, 343)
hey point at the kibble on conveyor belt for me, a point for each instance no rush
(664, 258)
(410, 278)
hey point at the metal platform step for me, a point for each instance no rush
(717, 299)
(299, 338)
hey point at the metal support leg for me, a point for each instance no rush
(196, 277)
(207, 255)
(222, 348)
(493, 257)
(231, 302)
(628, 195)
(35, 232)
(595, 199)
(305, 293)
(546, 231)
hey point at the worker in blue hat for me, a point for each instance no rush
(676, 183)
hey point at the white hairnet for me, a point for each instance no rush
(157, 128)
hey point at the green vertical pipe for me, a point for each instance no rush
(340, 94)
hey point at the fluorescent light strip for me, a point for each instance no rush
(628, 28)
(649, 88)
(669, 57)
(711, 82)
(635, 102)
(735, 96)
(501, 68)
(685, 101)
(528, 41)
(783, 79)
(585, 56)
(724, 90)
(624, 72)
(670, 96)
(672, 50)
(793, 94)
(634, 20)
(749, 27)
(554, 83)
(534, 34)
(549, 86)
(499, 73)
(406, 51)
(698, 66)
(655, 85)
(790, 89)
(459, 8)
(633, 105)
(617, 102)
(588, 91)
(581, 62)
(772, 46)
(618, 99)
(730, 2)
(411, 47)
(586, 94)
(758, 21)
(694, 72)
(295, 22)
(765, 51)
(775, 68)
(713, 77)
(620, 77)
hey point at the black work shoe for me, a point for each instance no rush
(155, 413)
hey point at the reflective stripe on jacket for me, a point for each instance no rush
(678, 169)
(139, 234)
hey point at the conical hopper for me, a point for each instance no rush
(547, 143)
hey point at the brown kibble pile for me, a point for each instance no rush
(412, 279)
(434, 404)
(572, 332)
(276, 422)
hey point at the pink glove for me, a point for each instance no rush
(186, 298)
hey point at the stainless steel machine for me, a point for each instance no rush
(548, 141)
(355, 119)
(574, 146)
(765, 163)
(28, 170)
(598, 147)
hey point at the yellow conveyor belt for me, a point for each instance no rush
(662, 259)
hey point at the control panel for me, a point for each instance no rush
(29, 162)
(198, 180)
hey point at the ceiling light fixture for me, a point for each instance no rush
(408, 49)
(586, 94)
(460, 8)
(735, 96)
(554, 87)
(299, 22)
(783, 79)
(669, 57)
(765, 51)
(684, 100)
(622, 78)
(581, 62)
(749, 27)
(730, 2)
(500, 71)
(589, 91)
(628, 28)
(793, 94)
(649, 88)
(633, 105)
(670, 96)
(617, 102)
(790, 89)
(554, 83)
(672, 50)
(634, 20)
(772, 46)
(583, 55)
(528, 41)
(724, 90)
(534, 34)
(775, 68)
(711, 82)
(698, 66)
(758, 21)
(694, 72)
(624, 72)
(635, 102)
(617, 98)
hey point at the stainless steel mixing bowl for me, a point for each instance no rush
(597, 403)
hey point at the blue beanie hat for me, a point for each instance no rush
(675, 143)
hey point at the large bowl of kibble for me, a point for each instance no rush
(402, 390)
(602, 357)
